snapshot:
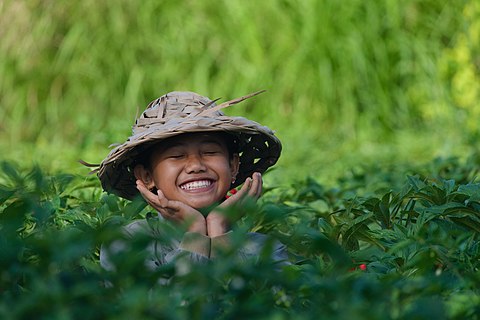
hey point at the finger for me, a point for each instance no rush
(235, 198)
(173, 207)
(169, 213)
(162, 199)
(256, 185)
(145, 192)
(170, 207)
(169, 204)
(156, 201)
(260, 184)
(245, 188)
(141, 186)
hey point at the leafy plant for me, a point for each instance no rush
(409, 252)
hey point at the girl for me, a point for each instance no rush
(182, 158)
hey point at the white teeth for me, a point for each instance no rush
(196, 185)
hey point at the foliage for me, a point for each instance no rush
(357, 251)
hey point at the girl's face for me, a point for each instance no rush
(194, 168)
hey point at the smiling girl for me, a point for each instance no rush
(183, 158)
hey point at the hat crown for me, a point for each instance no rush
(174, 105)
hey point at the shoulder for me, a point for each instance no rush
(258, 243)
(136, 227)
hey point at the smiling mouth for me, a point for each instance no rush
(195, 185)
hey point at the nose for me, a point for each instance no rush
(195, 164)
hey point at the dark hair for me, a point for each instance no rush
(231, 141)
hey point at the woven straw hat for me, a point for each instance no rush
(185, 112)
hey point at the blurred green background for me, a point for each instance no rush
(349, 83)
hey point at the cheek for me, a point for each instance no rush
(164, 175)
(226, 172)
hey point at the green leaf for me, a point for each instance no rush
(5, 193)
(472, 190)
(416, 183)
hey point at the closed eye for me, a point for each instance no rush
(212, 152)
(175, 156)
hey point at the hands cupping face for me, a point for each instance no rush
(216, 222)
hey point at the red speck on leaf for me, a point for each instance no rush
(363, 267)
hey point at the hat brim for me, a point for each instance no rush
(259, 149)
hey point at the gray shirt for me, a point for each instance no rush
(194, 246)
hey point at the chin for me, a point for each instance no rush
(201, 204)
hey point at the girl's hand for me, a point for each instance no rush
(175, 211)
(251, 189)
(217, 222)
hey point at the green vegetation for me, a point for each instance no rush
(410, 252)
(376, 102)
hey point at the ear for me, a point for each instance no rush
(141, 173)
(234, 165)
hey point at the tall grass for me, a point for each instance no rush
(341, 75)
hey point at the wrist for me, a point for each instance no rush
(198, 227)
(217, 224)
